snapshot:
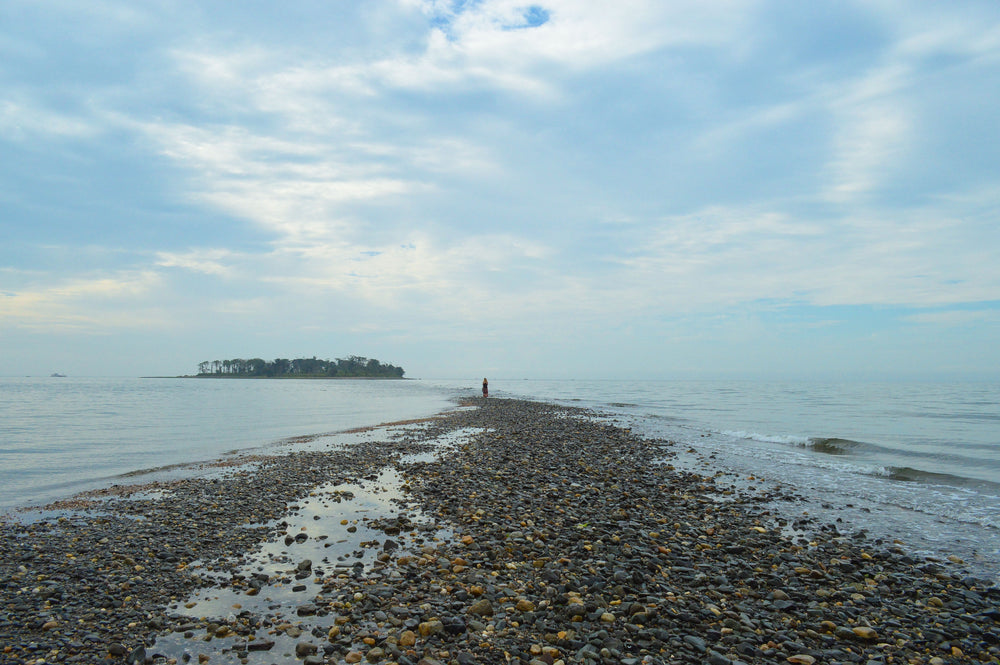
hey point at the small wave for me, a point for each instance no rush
(834, 446)
(824, 445)
(909, 474)
(787, 439)
(665, 418)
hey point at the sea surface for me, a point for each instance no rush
(60, 436)
(914, 462)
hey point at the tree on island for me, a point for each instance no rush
(351, 367)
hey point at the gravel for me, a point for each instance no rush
(505, 532)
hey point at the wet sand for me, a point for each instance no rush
(510, 531)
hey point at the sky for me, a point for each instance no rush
(569, 189)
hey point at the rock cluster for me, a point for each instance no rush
(542, 536)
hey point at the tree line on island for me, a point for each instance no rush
(352, 367)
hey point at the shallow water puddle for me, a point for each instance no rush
(274, 602)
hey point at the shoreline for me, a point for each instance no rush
(518, 528)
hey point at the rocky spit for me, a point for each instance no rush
(505, 532)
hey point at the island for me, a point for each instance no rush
(299, 368)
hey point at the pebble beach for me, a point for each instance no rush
(506, 531)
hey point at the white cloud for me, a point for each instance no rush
(85, 304)
(871, 141)
(205, 261)
(26, 120)
(876, 114)
(872, 132)
(293, 188)
(721, 257)
(955, 318)
(585, 34)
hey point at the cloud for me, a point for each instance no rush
(90, 305)
(870, 142)
(956, 318)
(466, 170)
(24, 120)
(724, 256)
(879, 115)
(292, 188)
(204, 261)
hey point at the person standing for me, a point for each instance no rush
(486, 388)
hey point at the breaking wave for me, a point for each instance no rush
(909, 474)
(825, 445)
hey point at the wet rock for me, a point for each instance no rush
(454, 625)
(696, 642)
(865, 633)
(428, 628)
(260, 645)
(481, 607)
(303, 649)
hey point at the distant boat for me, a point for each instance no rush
(57, 374)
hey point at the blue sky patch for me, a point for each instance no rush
(533, 16)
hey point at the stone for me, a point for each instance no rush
(696, 642)
(481, 607)
(454, 625)
(865, 633)
(303, 649)
(428, 628)
(716, 658)
(844, 633)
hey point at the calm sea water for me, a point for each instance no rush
(59, 436)
(918, 462)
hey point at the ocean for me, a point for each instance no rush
(60, 436)
(914, 462)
